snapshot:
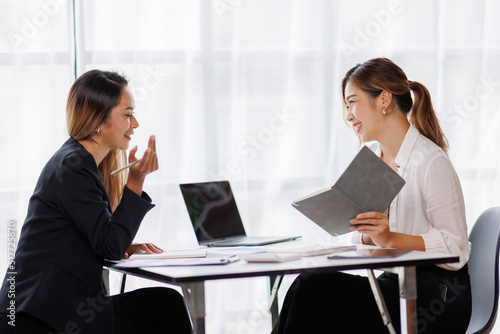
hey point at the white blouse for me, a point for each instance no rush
(431, 203)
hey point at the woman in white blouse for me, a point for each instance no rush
(427, 215)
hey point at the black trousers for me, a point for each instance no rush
(343, 303)
(150, 310)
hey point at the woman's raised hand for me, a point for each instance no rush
(148, 164)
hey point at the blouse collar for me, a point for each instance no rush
(407, 147)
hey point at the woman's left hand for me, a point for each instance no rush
(374, 224)
(142, 249)
(148, 164)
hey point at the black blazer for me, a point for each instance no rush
(68, 232)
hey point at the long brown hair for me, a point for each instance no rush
(90, 101)
(378, 74)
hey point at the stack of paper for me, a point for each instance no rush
(176, 262)
(171, 254)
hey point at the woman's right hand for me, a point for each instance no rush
(375, 225)
(148, 164)
(147, 248)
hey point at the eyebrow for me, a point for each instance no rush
(347, 98)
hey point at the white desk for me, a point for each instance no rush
(192, 278)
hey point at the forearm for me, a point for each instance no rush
(400, 240)
(397, 240)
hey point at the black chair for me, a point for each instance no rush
(483, 271)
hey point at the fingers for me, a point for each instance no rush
(150, 248)
(144, 249)
(156, 248)
(373, 224)
(152, 143)
(371, 218)
(154, 159)
(370, 222)
(371, 214)
(131, 155)
(359, 222)
(366, 228)
(147, 248)
(149, 161)
(150, 158)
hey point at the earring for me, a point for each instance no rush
(383, 111)
(97, 130)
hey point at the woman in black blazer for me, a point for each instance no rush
(80, 215)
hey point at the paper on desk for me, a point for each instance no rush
(236, 250)
(176, 262)
(171, 254)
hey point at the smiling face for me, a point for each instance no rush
(363, 113)
(116, 131)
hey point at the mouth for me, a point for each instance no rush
(128, 136)
(357, 126)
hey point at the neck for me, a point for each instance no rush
(391, 141)
(98, 152)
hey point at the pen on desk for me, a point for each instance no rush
(127, 166)
(232, 258)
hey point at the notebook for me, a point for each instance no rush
(368, 184)
(171, 254)
(207, 261)
(215, 217)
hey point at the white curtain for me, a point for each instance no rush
(245, 90)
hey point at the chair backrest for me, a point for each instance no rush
(483, 270)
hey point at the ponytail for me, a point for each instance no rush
(423, 116)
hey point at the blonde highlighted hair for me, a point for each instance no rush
(90, 101)
(378, 74)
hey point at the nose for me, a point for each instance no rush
(350, 117)
(133, 122)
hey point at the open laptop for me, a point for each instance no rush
(215, 216)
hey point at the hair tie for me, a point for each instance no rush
(410, 83)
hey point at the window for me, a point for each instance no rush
(247, 91)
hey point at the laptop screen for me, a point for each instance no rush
(212, 210)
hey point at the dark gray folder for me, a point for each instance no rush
(368, 184)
